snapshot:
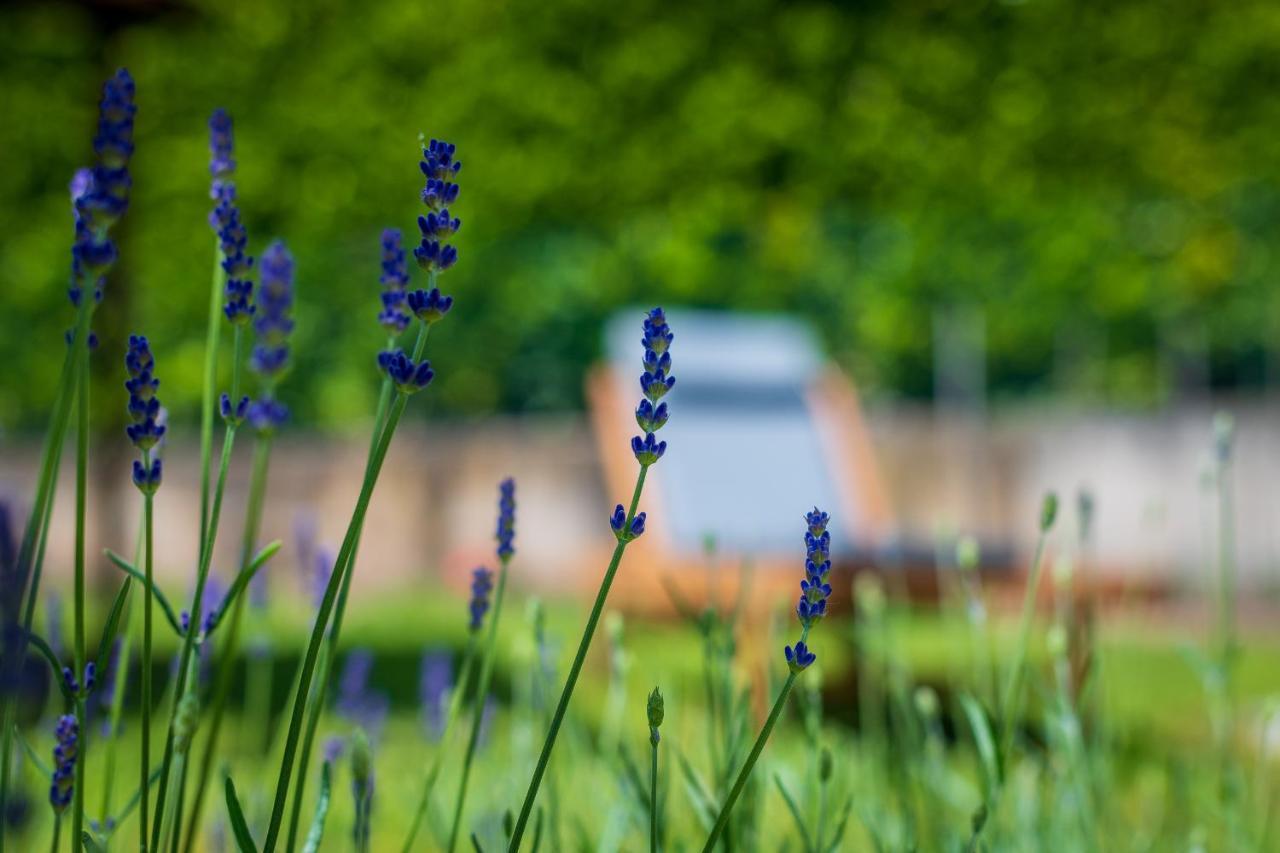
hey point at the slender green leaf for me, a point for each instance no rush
(985, 743)
(125, 566)
(842, 825)
(132, 802)
(537, 830)
(242, 581)
(316, 833)
(699, 793)
(47, 653)
(238, 826)
(795, 812)
(112, 627)
(475, 842)
(44, 769)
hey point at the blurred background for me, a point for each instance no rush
(924, 261)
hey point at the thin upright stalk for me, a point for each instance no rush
(477, 713)
(144, 788)
(576, 669)
(653, 797)
(119, 679)
(723, 820)
(341, 566)
(82, 493)
(197, 599)
(433, 771)
(230, 636)
(213, 340)
(325, 664)
(57, 833)
(1011, 701)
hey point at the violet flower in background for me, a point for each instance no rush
(394, 316)
(481, 588)
(273, 327)
(435, 679)
(356, 702)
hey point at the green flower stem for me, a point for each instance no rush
(325, 664)
(82, 494)
(341, 566)
(477, 712)
(1011, 701)
(119, 679)
(653, 797)
(144, 787)
(57, 832)
(230, 637)
(574, 671)
(723, 820)
(197, 599)
(213, 340)
(433, 771)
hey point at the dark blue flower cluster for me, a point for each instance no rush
(146, 431)
(440, 191)
(144, 406)
(90, 678)
(394, 317)
(235, 412)
(814, 589)
(622, 530)
(506, 532)
(100, 196)
(655, 382)
(408, 376)
(64, 762)
(481, 587)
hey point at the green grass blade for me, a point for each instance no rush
(238, 826)
(316, 832)
(125, 566)
(112, 628)
(984, 742)
(795, 811)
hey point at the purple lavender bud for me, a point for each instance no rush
(429, 306)
(655, 382)
(799, 658)
(144, 407)
(69, 679)
(147, 479)
(267, 415)
(481, 587)
(434, 254)
(506, 532)
(234, 415)
(408, 377)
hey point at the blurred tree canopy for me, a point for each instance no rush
(1098, 180)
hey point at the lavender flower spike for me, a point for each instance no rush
(655, 382)
(506, 532)
(815, 588)
(481, 587)
(274, 322)
(64, 762)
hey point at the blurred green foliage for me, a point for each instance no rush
(1100, 180)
